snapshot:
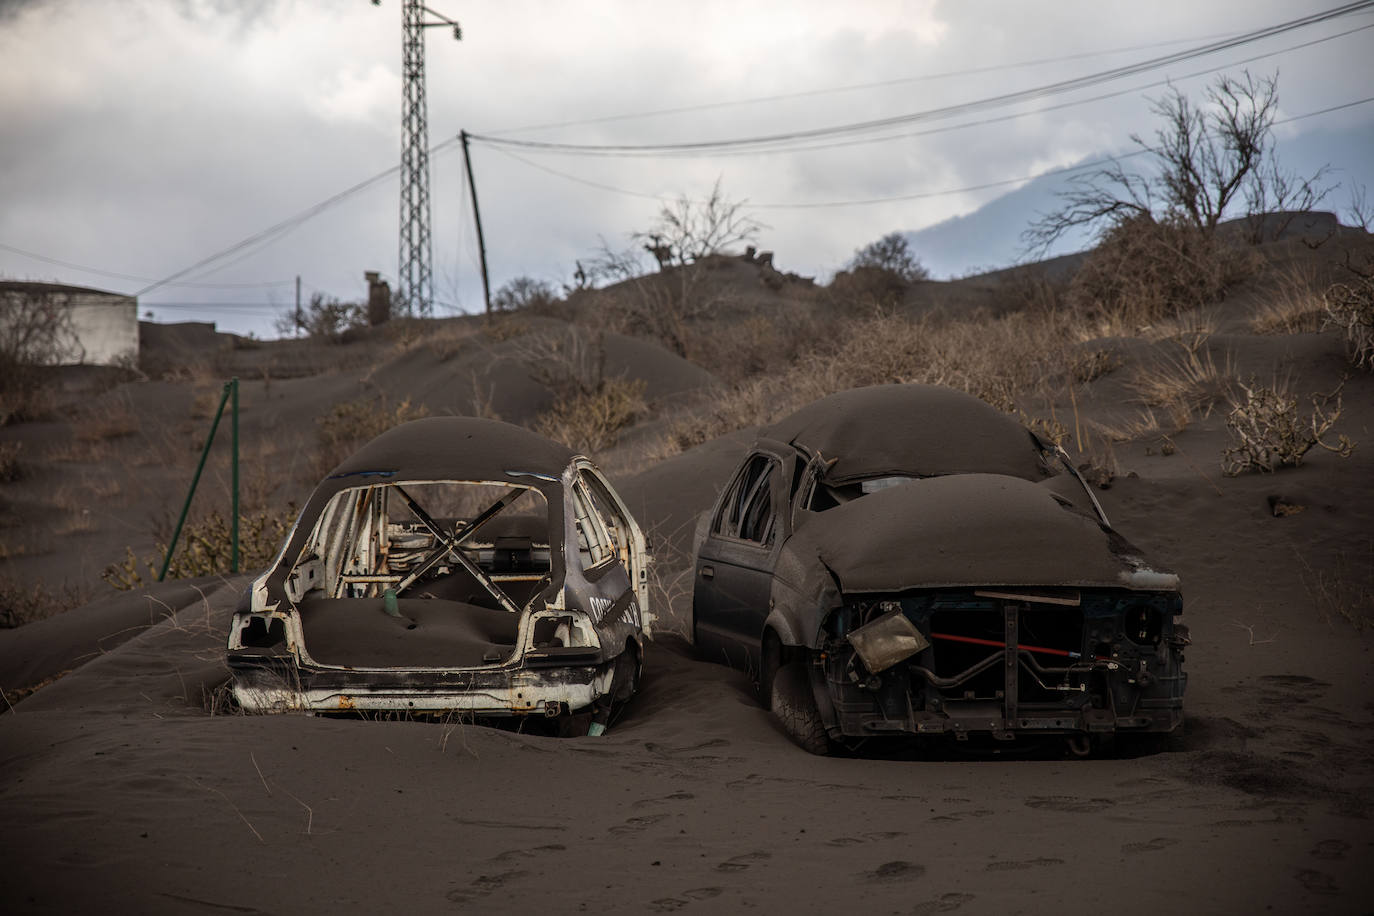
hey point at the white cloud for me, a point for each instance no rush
(140, 136)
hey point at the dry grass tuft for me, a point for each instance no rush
(1191, 330)
(1268, 432)
(1187, 385)
(1296, 304)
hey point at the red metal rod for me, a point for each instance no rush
(1001, 645)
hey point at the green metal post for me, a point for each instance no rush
(234, 420)
(186, 507)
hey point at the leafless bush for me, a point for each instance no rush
(324, 318)
(1350, 308)
(523, 293)
(1206, 158)
(35, 331)
(1359, 211)
(663, 306)
(1268, 432)
(688, 230)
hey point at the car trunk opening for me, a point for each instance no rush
(427, 574)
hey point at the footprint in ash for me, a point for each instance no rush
(741, 862)
(1159, 842)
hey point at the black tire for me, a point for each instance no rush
(794, 704)
(770, 660)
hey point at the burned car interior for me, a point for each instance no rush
(906, 560)
(515, 588)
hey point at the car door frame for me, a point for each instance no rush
(734, 636)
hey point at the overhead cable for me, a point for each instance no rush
(943, 112)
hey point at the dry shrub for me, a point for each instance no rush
(996, 359)
(1146, 270)
(21, 604)
(867, 286)
(590, 408)
(1268, 432)
(762, 343)
(206, 548)
(1350, 308)
(1295, 305)
(10, 467)
(104, 422)
(1034, 290)
(350, 424)
(590, 421)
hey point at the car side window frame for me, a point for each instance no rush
(746, 489)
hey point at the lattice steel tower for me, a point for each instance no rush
(415, 276)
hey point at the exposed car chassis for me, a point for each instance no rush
(1091, 662)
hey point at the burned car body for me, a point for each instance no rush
(450, 565)
(907, 560)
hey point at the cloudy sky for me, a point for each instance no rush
(140, 137)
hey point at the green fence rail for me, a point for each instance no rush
(231, 396)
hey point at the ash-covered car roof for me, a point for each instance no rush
(453, 448)
(916, 430)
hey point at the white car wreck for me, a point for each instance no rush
(451, 565)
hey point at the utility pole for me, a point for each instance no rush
(477, 218)
(415, 278)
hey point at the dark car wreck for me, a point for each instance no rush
(907, 560)
(451, 565)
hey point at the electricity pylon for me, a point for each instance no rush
(415, 276)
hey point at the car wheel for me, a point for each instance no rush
(770, 659)
(794, 704)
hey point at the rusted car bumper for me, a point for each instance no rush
(550, 687)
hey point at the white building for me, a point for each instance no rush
(68, 325)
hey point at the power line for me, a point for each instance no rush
(936, 113)
(916, 195)
(110, 273)
(857, 87)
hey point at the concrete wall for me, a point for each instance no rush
(97, 328)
